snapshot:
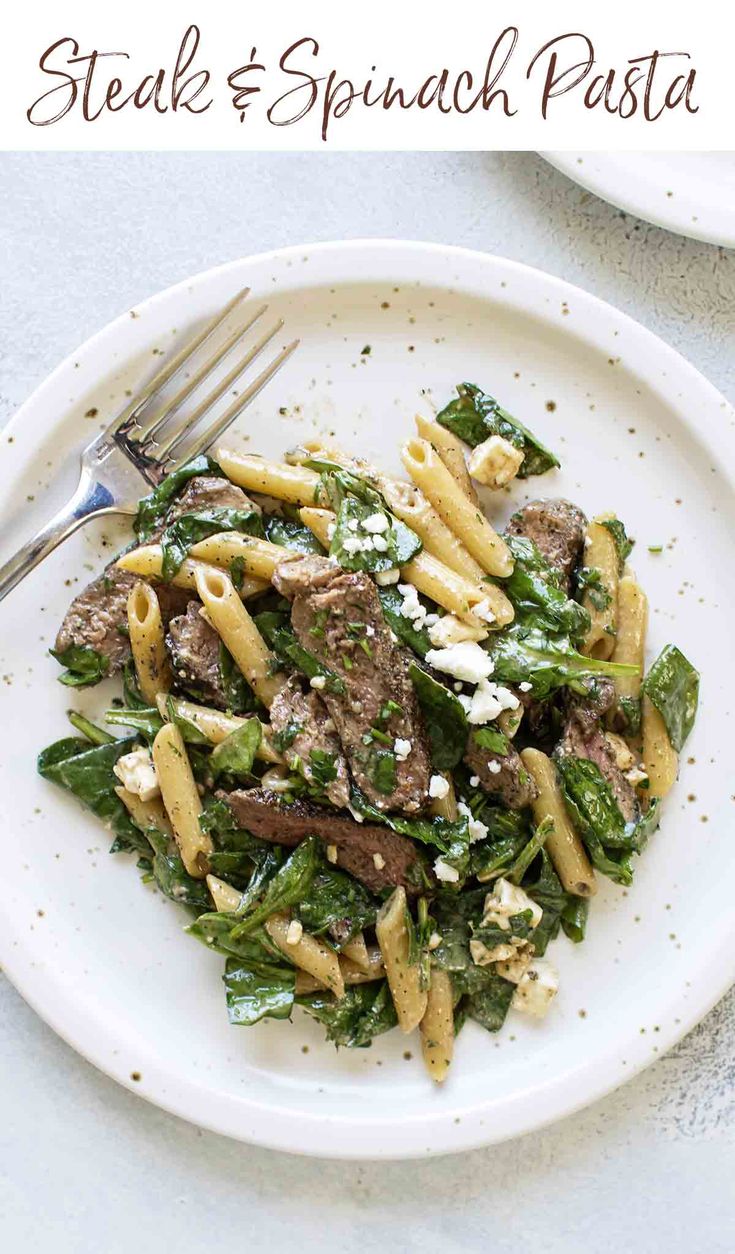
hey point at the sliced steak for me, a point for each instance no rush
(584, 738)
(98, 616)
(305, 726)
(502, 775)
(376, 855)
(194, 650)
(206, 492)
(337, 616)
(557, 529)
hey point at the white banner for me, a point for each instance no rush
(385, 75)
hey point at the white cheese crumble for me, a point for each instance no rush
(438, 787)
(353, 524)
(384, 578)
(411, 608)
(495, 462)
(525, 686)
(402, 748)
(494, 766)
(375, 523)
(465, 660)
(482, 610)
(318, 681)
(444, 872)
(380, 544)
(505, 900)
(477, 830)
(515, 968)
(434, 941)
(450, 630)
(536, 988)
(474, 781)
(636, 776)
(294, 933)
(488, 701)
(137, 773)
(331, 853)
(378, 861)
(331, 528)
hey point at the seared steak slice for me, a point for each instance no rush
(194, 649)
(97, 614)
(504, 776)
(206, 492)
(584, 738)
(557, 529)
(376, 855)
(304, 725)
(337, 616)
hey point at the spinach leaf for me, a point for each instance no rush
(436, 831)
(153, 508)
(475, 416)
(381, 768)
(290, 534)
(489, 1006)
(236, 753)
(444, 716)
(85, 665)
(93, 733)
(416, 638)
(530, 851)
(533, 588)
(546, 661)
(336, 898)
(545, 888)
(492, 740)
(623, 543)
(574, 918)
(337, 483)
(186, 531)
(132, 696)
(147, 721)
(215, 931)
(589, 581)
(672, 686)
(629, 709)
(258, 991)
(289, 885)
(88, 774)
(175, 882)
(288, 649)
(402, 543)
(363, 1013)
(609, 839)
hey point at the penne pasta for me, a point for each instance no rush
(452, 452)
(238, 632)
(259, 557)
(145, 629)
(660, 759)
(357, 951)
(319, 522)
(412, 507)
(307, 952)
(145, 814)
(437, 1026)
(147, 561)
(601, 554)
(225, 897)
(564, 846)
(216, 725)
(466, 520)
(295, 484)
(629, 643)
(404, 978)
(351, 973)
(181, 799)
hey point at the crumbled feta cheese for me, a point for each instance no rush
(402, 748)
(137, 773)
(331, 528)
(536, 988)
(525, 686)
(369, 630)
(353, 524)
(495, 462)
(587, 541)
(624, 757)
(482, 610)
(474, 781)
(507, 899)
(331, 853)
(482, 956)
(444, 872)
(384, 578)
(352, 544)
(378, 861)
(438, 787)
(489, 700)
(465, 701)
(494, 766)
(294, 933)
(411, 607)
(476, 829)
(318, 681)
(513, 969)
(636, 776)
(375, 523)
(434, 941)
(380, 544)
(450, 630)
(465, 660)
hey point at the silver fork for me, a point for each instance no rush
(135, 448)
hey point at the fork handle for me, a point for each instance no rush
(90, 500)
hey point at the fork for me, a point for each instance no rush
(135, 448)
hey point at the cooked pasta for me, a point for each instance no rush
(452, 452)
(564, 846)
(237, 630)
(307, 952)
(630, 643)
(147, 561)
(601, 600)
(660, 759)
(404, 977)
(181, 799)
(145, 628)
(437, 1026)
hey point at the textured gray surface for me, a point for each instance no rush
(83, 1164)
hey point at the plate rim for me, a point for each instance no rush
(294, 1130)
(710, 229)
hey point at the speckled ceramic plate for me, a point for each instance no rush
(692, 193)
(104, 960)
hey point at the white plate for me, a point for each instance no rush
(692, 193)
(638, 430)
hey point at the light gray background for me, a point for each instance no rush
(84, 1165)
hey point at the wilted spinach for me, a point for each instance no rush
(474, 417)
(365, 1011)
(672, 686)
(529, 654)
(417, 638)
(236, 753)
(153, 508)
(534, 591)
(289, 885)
(189, 529)
(258, 991)
(290, 534)
(85, 665)
(444, 717)
(88, 774)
